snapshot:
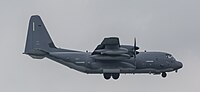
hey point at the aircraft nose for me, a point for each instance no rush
(179, 65)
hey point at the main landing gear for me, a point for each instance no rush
(115, 76)
(107, 76)
(164, 74)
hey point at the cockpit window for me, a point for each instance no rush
(170, 56)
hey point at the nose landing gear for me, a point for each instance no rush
(164, 74)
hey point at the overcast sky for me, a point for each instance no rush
(160, 25)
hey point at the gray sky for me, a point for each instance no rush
(159, 25)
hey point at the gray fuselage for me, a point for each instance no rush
(145, 62)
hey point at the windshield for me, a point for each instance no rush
(170, 56)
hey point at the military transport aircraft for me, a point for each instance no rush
(110, 58)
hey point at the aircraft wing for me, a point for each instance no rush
(114, 41)
(110, 47)
(108, 44)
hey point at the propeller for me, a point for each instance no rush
(135, 48)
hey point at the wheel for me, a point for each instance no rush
(107, 76)
(115, 76)
(164, 74)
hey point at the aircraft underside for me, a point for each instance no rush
(111, 72)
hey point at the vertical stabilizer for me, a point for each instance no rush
(38, 41)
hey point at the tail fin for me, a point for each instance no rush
(38, 42)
